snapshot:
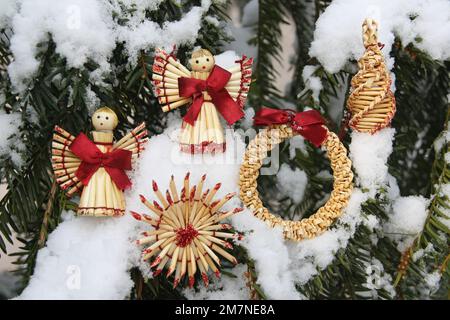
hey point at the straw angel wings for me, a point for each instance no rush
(209, 90)
(96, 168)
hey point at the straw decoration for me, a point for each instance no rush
(239, 88)
(208, 92)
(371, 101)
(187, 237)
(64, 162)
(317, 223)
(134, 141)
(166, 71)
(79, 168)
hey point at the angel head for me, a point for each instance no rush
(104, 119)
(202, 60)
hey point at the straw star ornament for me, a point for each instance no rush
(188, 237)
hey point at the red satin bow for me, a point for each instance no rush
(215, 86)
(308, 123)
(115, 162)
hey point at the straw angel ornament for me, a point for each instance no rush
(97, 168)
(209, 90)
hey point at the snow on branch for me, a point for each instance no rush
(9, 139)
(86, 30)
(337, 37)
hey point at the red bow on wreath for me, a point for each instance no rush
(215, 86)
(115, 162)
(309, 123)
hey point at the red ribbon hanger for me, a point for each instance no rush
(309, 123)
(215, 86)
(115, 162)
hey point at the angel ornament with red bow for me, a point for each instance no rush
(209, 90)
(97, 168)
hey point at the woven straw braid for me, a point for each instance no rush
(314, 225)
(371, 102)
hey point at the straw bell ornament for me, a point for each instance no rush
(96, 167)
(371, 101)
(188, 237)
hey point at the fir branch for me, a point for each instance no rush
(434, 233)
(346, 277)
(255, 291)
(304, 24)
(421, 90)
(44, 227)
(267, 40)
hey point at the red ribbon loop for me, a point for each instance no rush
(215, 86)
(308, 123)
(115, 162)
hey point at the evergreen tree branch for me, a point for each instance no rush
(435, 232)
(45, 220)
(267, 40)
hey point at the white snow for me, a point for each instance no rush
(369, 154)
(91, 100)
(393, 190)
(9, 128)
(409, 214)
(337, 37)
(9, 125)
(267, 247)
(296, 142)
(7, 9)
(70, 25)
(432, 281)
(142, 4)
(140, 35)
(422, 252)
(213, 20)
(227, 288)
(378, 279)
(371, 222)
(407, 220)
(445, 189)
(85, 258)
(442, 140)
(312, 82)
(308, 256)
(292, 182)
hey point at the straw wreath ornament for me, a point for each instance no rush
(186, 235)
(284, 124)
(371, 101)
